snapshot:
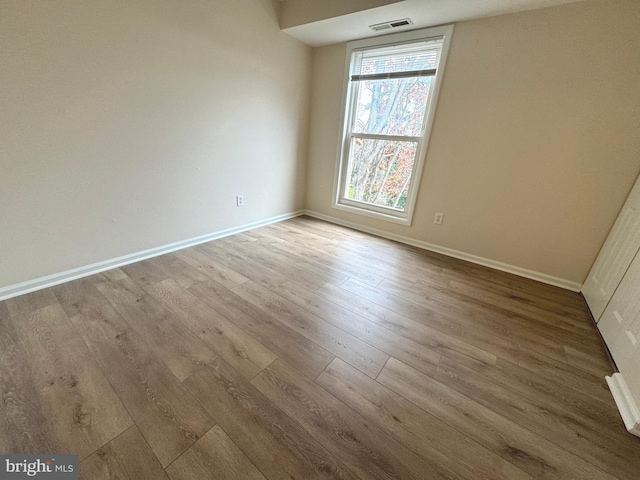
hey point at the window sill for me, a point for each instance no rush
(402, 220)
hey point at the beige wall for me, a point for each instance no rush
(535, 142)
(128, 125)
(131, 125)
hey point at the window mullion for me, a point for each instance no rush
(391, 75)
(378, 136)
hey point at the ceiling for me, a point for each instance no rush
(320, 31)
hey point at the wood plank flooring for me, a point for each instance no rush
(306, 350)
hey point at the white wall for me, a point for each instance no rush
(128, 125)
(299, 12)
(535, 142)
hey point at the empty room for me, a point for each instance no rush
(295, 239)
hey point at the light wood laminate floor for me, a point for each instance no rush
(307, 350)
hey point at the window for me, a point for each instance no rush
(390, 97)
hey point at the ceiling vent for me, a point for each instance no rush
(393, 24)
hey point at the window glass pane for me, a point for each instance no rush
(391, 107)
(400, 58)
(379, 172)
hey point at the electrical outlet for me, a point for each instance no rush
(438, 218)
(240, 200)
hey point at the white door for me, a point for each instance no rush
(617, 253)
(620, 322)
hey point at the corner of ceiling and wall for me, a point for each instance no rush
(325, 22)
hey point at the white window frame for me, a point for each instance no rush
(348, 103)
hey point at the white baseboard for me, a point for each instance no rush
(625, 402)
(522, 272)
(58, 278)
(66, 276)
